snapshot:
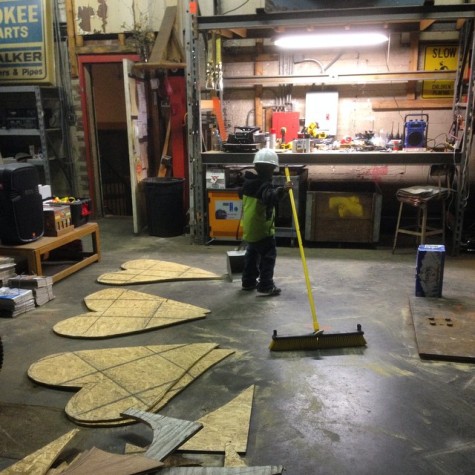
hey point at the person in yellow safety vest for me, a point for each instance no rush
(259, 198)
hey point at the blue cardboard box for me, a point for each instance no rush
(430, 270)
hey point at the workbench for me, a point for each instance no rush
(337, 157)
(36, 252)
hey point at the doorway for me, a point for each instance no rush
(105, 133)
(111, 137)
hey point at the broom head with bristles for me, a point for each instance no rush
(318, 340)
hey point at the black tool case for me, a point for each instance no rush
(21, 204)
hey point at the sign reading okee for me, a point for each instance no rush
(26, 43)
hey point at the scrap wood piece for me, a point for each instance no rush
(115, 379)
(264, 470)
(228, 423)
(39, 462)
(105, 463)
(140, 271)
(231, 457)
(119, 312)
(167, 51)
(168, 432)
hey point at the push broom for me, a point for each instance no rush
(318, 339)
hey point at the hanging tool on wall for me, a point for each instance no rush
(317, 339)
(214, 64)
(218, 65)
(211, 63)
(283, 131)
(165, 161)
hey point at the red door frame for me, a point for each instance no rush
(83, 62)
(178, 134)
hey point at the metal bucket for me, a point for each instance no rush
(235, 263)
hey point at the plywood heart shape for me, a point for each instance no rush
(141, 271)
(119, 312)
(115, 379)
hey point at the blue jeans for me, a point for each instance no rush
(259, 263)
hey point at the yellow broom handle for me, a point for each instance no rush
(316, 327)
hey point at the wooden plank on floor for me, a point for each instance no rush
(229, 423)
(40, 461)
(444, 327)
(98, 461)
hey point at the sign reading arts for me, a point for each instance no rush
(439, 58)
(26, 44)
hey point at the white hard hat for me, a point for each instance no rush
(266, 155)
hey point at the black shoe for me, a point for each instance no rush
(272, 292)
(247, 288)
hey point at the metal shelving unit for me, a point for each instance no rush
(30, 118)
(261, 25)
(464, 105)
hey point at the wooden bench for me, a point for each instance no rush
(35, 251)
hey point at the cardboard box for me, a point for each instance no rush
(57, 219)
(430, 270)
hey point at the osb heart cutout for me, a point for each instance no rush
(117, 312)
(141, 271)
(115, 379)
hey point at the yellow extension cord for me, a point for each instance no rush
(316, 326)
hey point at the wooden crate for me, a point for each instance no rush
(333, 216)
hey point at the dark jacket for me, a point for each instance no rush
(259, 198)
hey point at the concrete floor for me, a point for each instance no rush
(374, 410)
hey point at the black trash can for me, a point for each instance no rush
(164, 201)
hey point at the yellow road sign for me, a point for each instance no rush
(439, 58)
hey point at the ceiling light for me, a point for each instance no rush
(329, 40)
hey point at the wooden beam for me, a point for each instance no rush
(159, 65)
(167, 42)
(231, 32)
(258, 71)
(424, 24)
(250, 58)
(71, 38)
(459, 23)
(411, 104)
(412, 66)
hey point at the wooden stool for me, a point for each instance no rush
(420, 197)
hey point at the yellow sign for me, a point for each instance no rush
(439, 58)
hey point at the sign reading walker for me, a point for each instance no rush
(26, 41)
(439, 58)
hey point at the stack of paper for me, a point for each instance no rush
(42, 287)
(14, 301)
(416, 195)
(7, 269)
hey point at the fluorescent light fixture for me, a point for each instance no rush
(330, 40)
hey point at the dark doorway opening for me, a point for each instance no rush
(111, 136)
